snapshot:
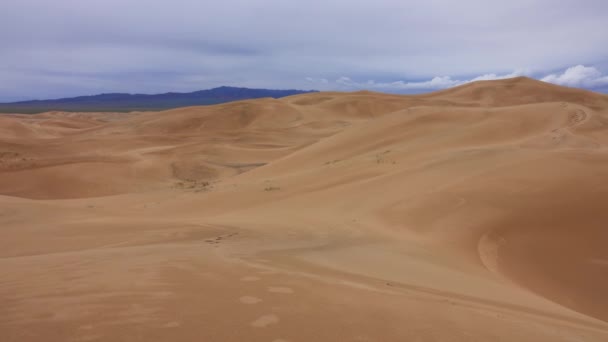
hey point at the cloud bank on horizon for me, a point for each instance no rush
(579, 76)
(65, 48)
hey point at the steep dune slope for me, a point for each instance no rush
(471, 214)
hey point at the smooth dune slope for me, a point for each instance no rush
(471, 214)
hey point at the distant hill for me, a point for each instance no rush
(119, 102)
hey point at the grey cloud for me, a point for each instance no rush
(277, 43)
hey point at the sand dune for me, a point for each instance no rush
(470, 214)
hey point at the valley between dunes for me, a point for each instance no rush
(477, 213)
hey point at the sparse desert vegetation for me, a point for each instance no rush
(434, 217)
(193, 184)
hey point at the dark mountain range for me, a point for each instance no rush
(119, 102)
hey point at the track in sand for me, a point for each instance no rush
(471, 214)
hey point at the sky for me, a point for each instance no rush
(62, 48)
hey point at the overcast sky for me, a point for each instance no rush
(65, 48)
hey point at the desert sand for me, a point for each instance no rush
(476, 213)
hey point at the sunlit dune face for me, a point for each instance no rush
(470, 214)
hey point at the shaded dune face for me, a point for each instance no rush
(554, 241)
(539, 222)
(488, 198)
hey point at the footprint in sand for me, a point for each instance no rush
(249, 300)
(279, 289)
(264, 321)
(267, 272)
(172, 324)
(250, 278)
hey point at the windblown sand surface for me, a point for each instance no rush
(473, 214)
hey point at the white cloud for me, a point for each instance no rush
(488, 77)
(317, 80)
(579, 76)
(438, 82)
(576, 76)
(346, 81)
